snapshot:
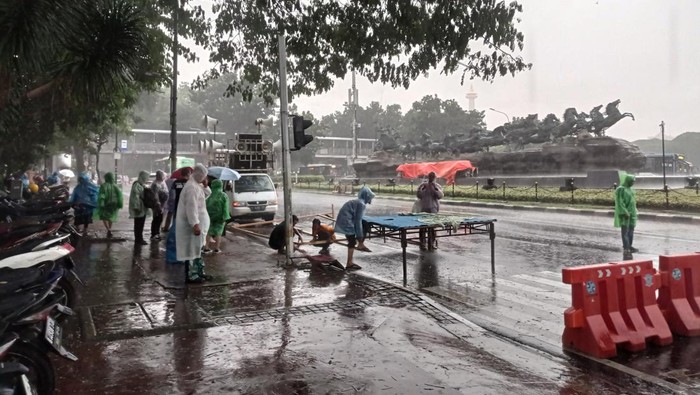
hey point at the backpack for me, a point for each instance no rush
(150, 199)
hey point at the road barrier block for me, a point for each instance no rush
(679, 295)
(613, 304)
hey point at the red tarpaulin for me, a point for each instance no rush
(447, 170)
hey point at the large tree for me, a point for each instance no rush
(61, 61)
(437, 118)
(387, 41)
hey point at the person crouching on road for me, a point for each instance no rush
(191, 226)
(349, 223)
(217, 207)
(137, 208)
(626, 212)
(322, 232)
(277, 239)
(109, 202)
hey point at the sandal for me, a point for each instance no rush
(353, 266)
(364, 249)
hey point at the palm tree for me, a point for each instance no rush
(62, 59)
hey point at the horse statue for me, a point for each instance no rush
(386, 143)
(596, 118)
(613, 115)
(568, 126)
(545, 129)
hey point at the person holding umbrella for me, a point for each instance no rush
(217, 207)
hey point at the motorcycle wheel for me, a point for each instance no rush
(41, 375)
(67, 290)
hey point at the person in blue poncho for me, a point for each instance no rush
(349, 223)
(84, 201)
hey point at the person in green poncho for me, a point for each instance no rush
(626, 211)
(109, 202)
(217, 207)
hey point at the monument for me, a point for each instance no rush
(525, 146)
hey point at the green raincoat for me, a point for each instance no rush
(625, 202)
(136, 207)
(109, 200)
(217, 207)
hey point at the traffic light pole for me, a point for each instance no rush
(286, 163)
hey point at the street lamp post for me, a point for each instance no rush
(500, 112)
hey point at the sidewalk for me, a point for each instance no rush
(260, 328)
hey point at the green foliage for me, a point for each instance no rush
(686, 200)
(438, 118)
(386, 41)
(72, 68)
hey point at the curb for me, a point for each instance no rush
(524, 207)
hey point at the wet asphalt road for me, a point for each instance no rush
(260, 329)
(526, 299)
(526, 241)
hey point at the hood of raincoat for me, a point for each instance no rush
(143, 177)
(217, 186)
(626, 179)
(199, 173)
(366, 195)
(109, 178)
(83, 178)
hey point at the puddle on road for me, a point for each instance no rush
(288, 288)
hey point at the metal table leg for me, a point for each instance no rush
(404, 243)
(492, 236)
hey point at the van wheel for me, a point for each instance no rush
(269, 217)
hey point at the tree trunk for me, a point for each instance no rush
(97, 163)
(79, 153)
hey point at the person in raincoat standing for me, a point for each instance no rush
(217, 207)
(137, 209)
(349, 223)
(84, 201)
(109, 202)
(191, 226)
(626, 211)
(161, 191)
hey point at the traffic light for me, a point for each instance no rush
(299, 125)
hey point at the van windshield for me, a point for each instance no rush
(254, 184)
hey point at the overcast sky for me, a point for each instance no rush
(584, 53)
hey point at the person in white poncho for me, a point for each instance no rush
(191, 225)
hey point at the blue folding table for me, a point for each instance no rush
(408, 228)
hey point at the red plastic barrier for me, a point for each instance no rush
(613, 304)
(679, 295)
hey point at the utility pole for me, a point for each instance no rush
(352, 101)
(117, 153)
(173, 93)
(286, 164)
(663, 160)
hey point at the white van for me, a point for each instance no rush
(253, 196)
